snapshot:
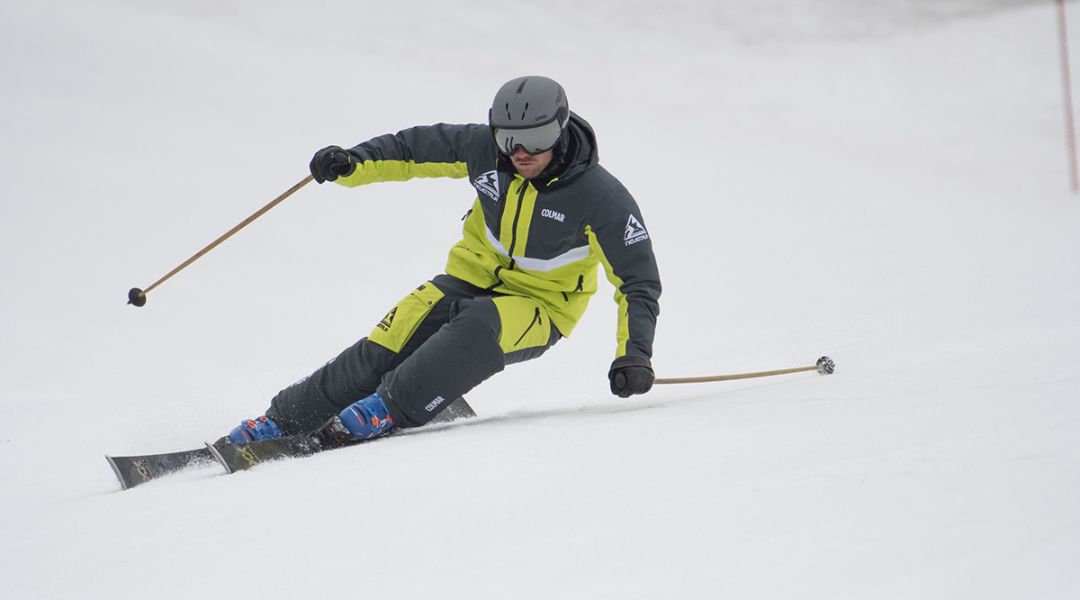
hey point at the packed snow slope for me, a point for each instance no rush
(881, 182)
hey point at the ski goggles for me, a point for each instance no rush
(532, 140)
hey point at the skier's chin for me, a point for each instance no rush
(530, 165)
(528, 171)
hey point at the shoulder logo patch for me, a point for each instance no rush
(488, 185)
(388, 320)
(635, 232)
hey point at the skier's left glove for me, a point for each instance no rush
(630, 375)
(332, 162)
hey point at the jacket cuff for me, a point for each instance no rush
(630, 360)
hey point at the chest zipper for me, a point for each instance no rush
(517, 217)
(513, 234)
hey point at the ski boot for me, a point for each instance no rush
(255, 430)
(366, 418)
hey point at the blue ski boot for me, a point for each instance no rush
(254, 430)
(367, 418)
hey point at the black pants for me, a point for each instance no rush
(438, 343)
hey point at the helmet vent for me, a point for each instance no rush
(524, 110)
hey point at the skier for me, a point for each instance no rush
(545, 215)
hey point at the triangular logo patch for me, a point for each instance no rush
(635, 231)
(388, 320)
(488, 184)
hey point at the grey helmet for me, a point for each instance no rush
(530, 112)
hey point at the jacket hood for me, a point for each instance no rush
(580, 154)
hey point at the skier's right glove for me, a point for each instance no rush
(630, 375)
(332, 162)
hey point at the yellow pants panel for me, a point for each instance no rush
(401, 322)
(525, 323)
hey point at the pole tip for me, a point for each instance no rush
(825, 365)
(136, 297)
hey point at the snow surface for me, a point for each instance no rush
(881, 182)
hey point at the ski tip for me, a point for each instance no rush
(116, 471)
(218, 457)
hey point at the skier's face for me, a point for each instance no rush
(530, 165)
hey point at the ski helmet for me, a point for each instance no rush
(530, 112)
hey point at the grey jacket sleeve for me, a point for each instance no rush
(627, 255)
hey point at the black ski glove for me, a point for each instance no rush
(630, 375)
(332, 162)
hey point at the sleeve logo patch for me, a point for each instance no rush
(488, 185)
(635, 232)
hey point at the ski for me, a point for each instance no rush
(132, 471)
(137, 470)
(240, 458)
(331, 435)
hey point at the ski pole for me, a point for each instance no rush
(137, 296)
(824, 365)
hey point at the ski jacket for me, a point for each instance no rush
(542, 238)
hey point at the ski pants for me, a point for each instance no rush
(439, 342)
